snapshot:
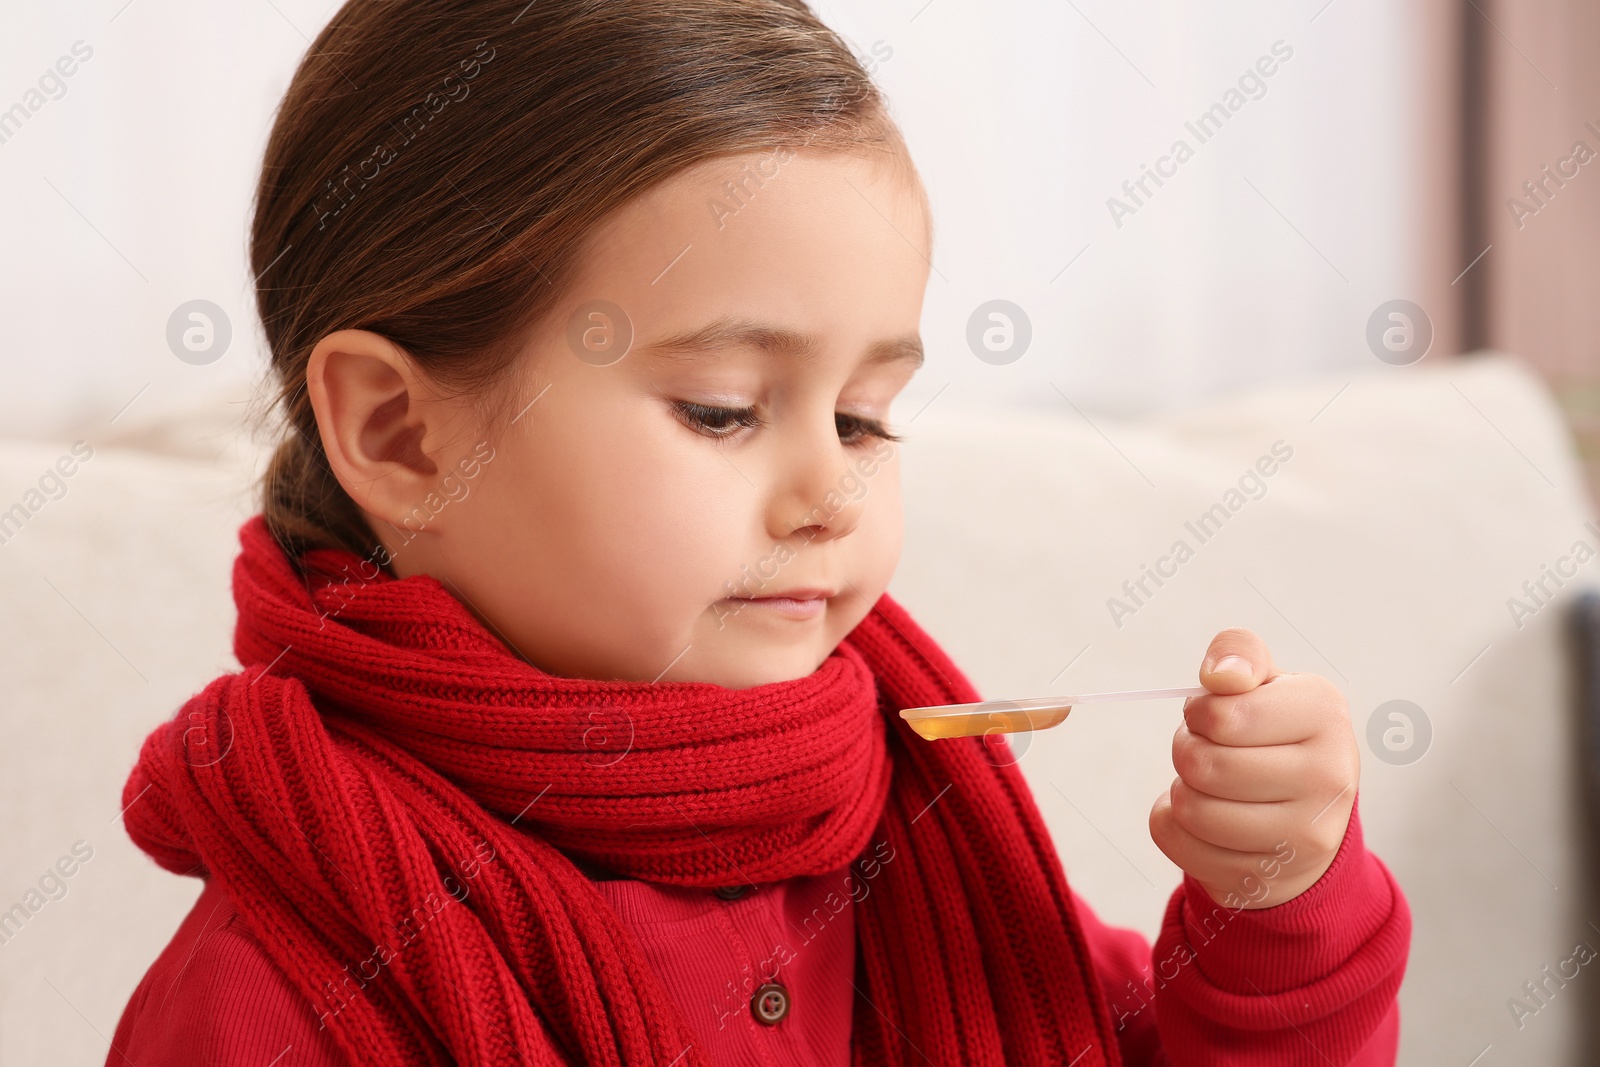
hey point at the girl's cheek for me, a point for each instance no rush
(659, 511)
(887, 518)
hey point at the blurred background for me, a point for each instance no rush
(1379, 161)
(1382, 231)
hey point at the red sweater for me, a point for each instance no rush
(1247, 989)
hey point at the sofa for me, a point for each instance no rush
(1409, 532)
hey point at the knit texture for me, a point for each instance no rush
(385, 792)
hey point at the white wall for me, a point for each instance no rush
(129, 194)
(1027, 117)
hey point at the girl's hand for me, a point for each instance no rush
(1267, 770)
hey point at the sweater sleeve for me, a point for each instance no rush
(215, 998)
(1311, 981)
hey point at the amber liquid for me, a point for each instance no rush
(1009, 721)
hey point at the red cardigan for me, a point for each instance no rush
(1200, 997)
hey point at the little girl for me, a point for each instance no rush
(567, 727)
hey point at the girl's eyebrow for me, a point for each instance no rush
(702, 342)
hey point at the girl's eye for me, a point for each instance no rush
(715, 422)
(725, 422)
(853, 429)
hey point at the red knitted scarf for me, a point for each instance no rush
(386, 790)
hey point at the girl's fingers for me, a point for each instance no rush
(1220, 870)
(1284, 710)
(1236, 662)
(1263, 774)
(1231, 824)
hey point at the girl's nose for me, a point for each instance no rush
(818, 493)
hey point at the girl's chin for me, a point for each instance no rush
(743, 664)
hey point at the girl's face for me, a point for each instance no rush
(643, 517)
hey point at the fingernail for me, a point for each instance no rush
(1234, 665)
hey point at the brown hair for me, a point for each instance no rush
(434, 167)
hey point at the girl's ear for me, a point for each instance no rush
(380, 418)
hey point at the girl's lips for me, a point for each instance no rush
(788, 606)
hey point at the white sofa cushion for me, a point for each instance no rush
(1381, 553)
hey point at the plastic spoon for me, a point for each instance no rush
(1012, 716)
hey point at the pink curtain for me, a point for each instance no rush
(1510, 192)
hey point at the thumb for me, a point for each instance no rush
(1236, 662)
